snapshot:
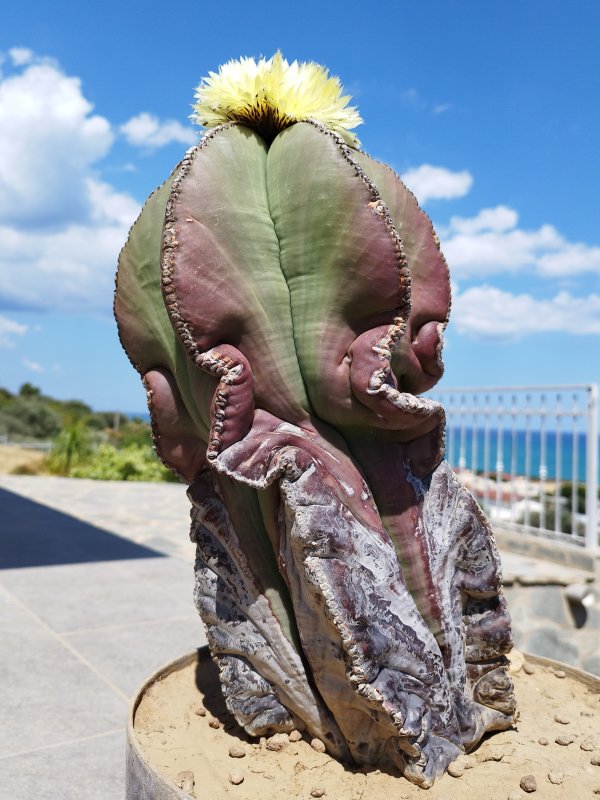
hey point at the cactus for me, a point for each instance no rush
(284, 299)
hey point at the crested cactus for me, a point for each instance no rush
(284, 299)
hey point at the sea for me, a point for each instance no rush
(562, 454)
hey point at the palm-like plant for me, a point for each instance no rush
(72, 446)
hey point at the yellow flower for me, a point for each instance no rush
(272, 94)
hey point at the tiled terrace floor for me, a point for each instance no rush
(95, 594)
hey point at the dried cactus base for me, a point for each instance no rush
(167, 738)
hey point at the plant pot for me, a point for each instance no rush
(556, 739)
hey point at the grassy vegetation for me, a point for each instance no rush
(85, 443)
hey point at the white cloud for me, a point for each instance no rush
(61, 228)
(8, 329)
(491, 242)
(437, 183)
(488, 312)
(500, 218)
(569, 259)
(49, 139)
(32, 365)
(72, 268)
(146, 130)
(20, 56)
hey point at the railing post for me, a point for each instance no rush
(591, 471)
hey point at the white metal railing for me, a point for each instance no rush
(529, 454)
(44, 446)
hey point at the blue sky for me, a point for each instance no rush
(490, 111)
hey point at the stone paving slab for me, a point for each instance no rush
(532, 571)
(138, 511)
(75, 597)
(47, 693)
(34, 534)
(549, 550)
(86, 769)
(173, 576)
(87, 612)
(128, 654)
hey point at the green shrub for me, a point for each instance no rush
(132, 432)
(566, 491)
(131, 463)
(28, 416)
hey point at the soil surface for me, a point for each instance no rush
(185, 732)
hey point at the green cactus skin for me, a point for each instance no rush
(284, 304)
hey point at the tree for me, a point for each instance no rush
(28, 390)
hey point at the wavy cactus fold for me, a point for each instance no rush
(284, 299)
